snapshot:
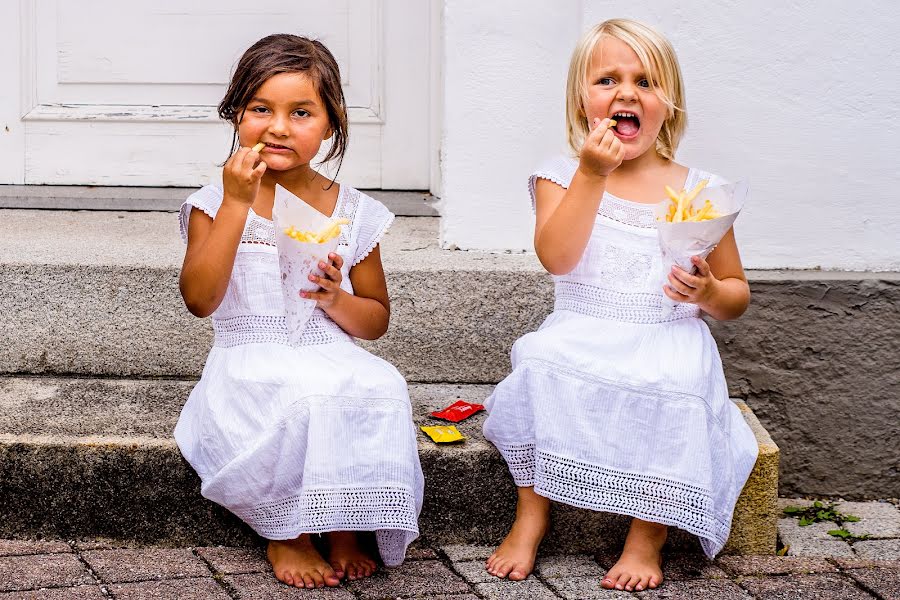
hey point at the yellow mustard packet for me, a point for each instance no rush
(444, 433)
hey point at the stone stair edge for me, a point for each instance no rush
(151, 472)
(116, 240)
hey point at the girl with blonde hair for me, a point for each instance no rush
(613, 404)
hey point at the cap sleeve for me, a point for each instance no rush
(208, 199)
(373, 219)
(559, 169)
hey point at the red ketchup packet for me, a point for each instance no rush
(458, 411)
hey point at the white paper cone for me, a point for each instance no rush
(298, 259)
(680, 241)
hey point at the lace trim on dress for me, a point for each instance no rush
(263, 329)
(629, 307)
(520, 460)
(376, 239)
(646, 497)
(258, 230)
(628, 213)
(206, 199)
(345, 509)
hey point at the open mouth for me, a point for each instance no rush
(276, 146)
(627, 124)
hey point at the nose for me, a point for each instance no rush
(626, 92)
(278, 125)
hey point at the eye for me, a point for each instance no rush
(259, 109)
(605, 81)
(301, 113)
(644, 83)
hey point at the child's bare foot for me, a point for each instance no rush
(640, 565)
(347, 557)
(298, 563)
(514, 558)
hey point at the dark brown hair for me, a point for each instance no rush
(286, 53)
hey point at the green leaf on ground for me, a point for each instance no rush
(819, 513)
(841, 533)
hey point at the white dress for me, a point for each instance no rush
(305, 439)
(611, 408)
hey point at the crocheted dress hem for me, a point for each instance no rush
(391, 514)
(607, 497)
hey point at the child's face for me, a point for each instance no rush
(617, 83)
(287, 114)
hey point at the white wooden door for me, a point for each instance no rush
(124, 93)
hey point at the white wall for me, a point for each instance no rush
(801, 99)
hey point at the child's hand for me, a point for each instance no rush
(330, 283)
(696, 289)
(602, 151)
(242, 174)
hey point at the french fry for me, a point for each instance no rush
(681, 210)
(672, 194)
(330, 231)
(259, 147)
(697, 189)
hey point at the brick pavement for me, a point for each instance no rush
(815, 566)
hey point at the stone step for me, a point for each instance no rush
(83, 457)
(96, 293)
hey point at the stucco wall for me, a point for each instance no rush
(798, 98)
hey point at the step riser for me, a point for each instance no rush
(810, 346)
(152, 496)
(95, 457)
(116, 322)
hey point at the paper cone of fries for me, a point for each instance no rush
(679, 241)
(299, 259)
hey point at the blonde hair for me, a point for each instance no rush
(660, 66)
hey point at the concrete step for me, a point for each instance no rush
(96, 293)
(82, 457)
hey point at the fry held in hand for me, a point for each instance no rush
(681, 210)
(259, 147)
(329, 232)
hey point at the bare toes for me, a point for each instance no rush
(633, 581)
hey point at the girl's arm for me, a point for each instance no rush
(363, 314)
(212, 244)
(719, 288)
(565, 217)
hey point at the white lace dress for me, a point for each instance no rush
(611, 408)
(305, 439)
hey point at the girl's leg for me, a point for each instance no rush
(298, 563)
(514, 558)
(640, 565)
(347, 555)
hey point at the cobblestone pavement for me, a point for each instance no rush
(816, 566)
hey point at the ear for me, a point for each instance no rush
(328, 134)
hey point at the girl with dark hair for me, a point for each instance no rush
(305, 438)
